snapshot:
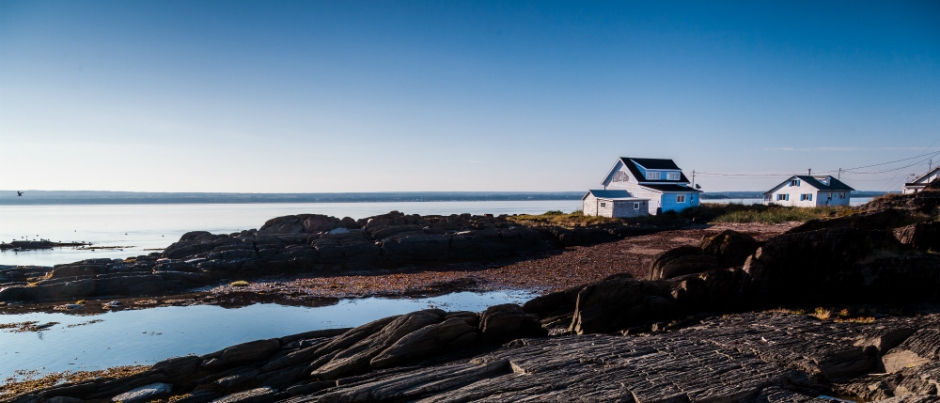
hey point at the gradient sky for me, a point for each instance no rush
(459, 96)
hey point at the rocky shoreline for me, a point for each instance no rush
(309, 246)
(846, 307)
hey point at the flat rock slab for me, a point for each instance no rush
(144, 393)
(258, 395)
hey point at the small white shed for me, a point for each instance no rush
(613, 203)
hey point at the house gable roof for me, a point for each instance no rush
(647, 163)
(834, 184)
(611, 195)
(925, 176)
(654, 163)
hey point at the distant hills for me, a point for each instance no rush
(41, 197)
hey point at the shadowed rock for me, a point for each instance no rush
(450, 335)
(355, 359)
(729, 247)
(506, 322)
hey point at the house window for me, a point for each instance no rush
(652, 175)
(783, 197)
(841, 195)
(806, 196)
(673, 176)
(680, 198)
(795, 182)
(829, 197)
(603, 204)
(636, 206)
(621, 176)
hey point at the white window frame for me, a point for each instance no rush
(673, 176)
(783, 197)
(842, 195)
(680, 198)
(806, 197)
(636, 205)
(795, 182)
(651, 175)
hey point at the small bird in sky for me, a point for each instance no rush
(18, 193)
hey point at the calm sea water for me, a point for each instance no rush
(139, 227)
(149, 335)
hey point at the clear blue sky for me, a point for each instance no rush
(458, 96)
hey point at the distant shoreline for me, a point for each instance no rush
(38, 197)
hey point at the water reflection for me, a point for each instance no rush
(146, 336)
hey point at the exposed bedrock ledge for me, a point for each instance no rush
(301, 243)
(764, 357)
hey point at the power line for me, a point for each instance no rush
(889, 170)
(891, 162)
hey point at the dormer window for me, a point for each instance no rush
(673, 176)
(795, 182)
(651, 175)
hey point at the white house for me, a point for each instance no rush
(614, 203)
(918, 184)
(809, 191)
(660, 182)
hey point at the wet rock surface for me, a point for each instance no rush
(772, 356)
(306, 243)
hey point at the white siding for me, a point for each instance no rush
(831, 198)
(655, 198)
(819, 197)
(631, 208)
(621, 178)
(589, 205)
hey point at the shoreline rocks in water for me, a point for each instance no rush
(304, 243)
(40, 244)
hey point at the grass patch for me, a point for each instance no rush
(558, 218)
(759, 213)
(239, 283)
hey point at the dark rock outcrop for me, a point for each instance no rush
(924, 236)
(506, 322)
(730, 248)
(882, 220)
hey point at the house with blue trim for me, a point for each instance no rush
(809, 191)
(657, 184)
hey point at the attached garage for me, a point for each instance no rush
(613, 203)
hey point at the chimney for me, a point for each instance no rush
(809, 172)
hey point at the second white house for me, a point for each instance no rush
(809, 191)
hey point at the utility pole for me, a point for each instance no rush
(693, 179)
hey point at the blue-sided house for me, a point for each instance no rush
(660, 181)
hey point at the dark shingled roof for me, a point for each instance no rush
(671, 188)
(834, 184)
(652, 163)
(611, 194)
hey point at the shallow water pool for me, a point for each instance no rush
(150, 335)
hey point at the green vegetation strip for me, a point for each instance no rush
(712, 213)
